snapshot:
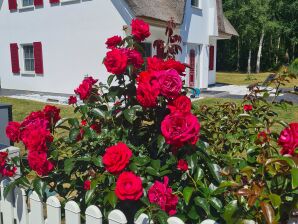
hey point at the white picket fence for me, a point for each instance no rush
(15, 210)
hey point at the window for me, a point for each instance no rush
(26, 3)
(147, 50)
(28, 53)
(195, 3)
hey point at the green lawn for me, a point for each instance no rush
(240, 78)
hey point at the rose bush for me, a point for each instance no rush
(137, 145)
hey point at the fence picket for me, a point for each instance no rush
(208, 221)
(21, 207)
(93, 215)
(36, 209)
(175, 220)
(117, 217)
(7, 204)
(142, 219)
(72, 213)
(53, 211)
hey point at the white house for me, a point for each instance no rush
(50, 45)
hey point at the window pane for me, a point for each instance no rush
(195, 3)
(27, 2)
(28, 58)
(147, 49)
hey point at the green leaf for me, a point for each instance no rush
(89, 196)
(97, 161)
(162, 217)
(216, 203)
(98, 113)
(294, 173)
(203, 203)
(199, 174)
(112, 199)
(193, 214)
(152, 171)
(74, 122)
(8, 188)
(187, 193)
(275, 200)
(68, 165)
(73, 134)
(155, 164)
(231, 213)
(130, 115)
(39, 187)
(110, 79)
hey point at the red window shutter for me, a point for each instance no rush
(211, 58)
(192, 63)
(12, 4)
(54, 1)
(38, 2)
(14, 53)
(38, 61)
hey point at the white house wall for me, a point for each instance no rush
(72, 35)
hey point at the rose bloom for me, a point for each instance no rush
(116, 61)
(129, 187)
(113, 42)
(52, 114)
(173, 64)
(139, 29)
(147, 95)
(72, 100)
(96, 127)
(85, 88)
(135, 58)
(247, 107)
(36, 137)
(182, 165)
(87, 185)
(170, 83)
(288, 139)
(39, 163)
(116, 158)
(262, 138)
(5, 170)
(180, 128)
(160, 194)
(155, 64)
(83, 122)
(13, 131)
(181, 103)
(36, 115)
(80, 135)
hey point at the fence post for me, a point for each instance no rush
(93, 215)
(175, 220)
(53, 211)
(142, 219)
(21, 208)
(117, 217)
(7, 204)
(36, 209)
(72, 213)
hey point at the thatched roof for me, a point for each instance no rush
(163, 10)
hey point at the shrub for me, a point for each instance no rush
(137, 145)
(293, 68)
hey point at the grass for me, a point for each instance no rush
(235, 78)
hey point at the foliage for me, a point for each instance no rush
(294, 67)
(134, 145)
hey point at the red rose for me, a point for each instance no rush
(116, 158)
(39, 163)
(247, 107)
(13, 131)
(155, 64)
(135, 58)
(147, 95)
(181, 103)
(262, 138)
(83, 122)
(52, 114)
(288, 139)
(9, 172)
(5, 169)
(113, 42)
(116, 61)
(140, 30)
(36, 136)
(87, 185)
(162, 195)
(182, 165)
(80, 135)
(72, 100)
(173, 64)
(96, 127)
(85, 88)
(36, 115)
(170, 83)
(129, 187)
(180, 128)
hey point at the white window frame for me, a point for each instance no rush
(21, 6)
(66, 1)
(22, 59)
